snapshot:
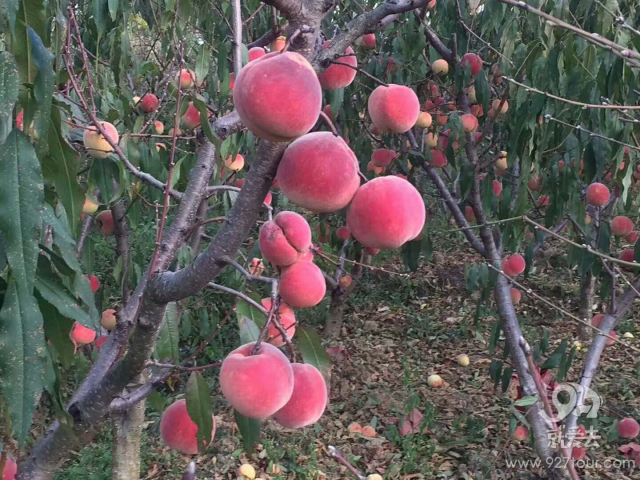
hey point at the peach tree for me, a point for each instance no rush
(233, 126)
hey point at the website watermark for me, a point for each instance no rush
(558, 462)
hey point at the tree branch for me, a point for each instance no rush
(171, 286)
(359, 26)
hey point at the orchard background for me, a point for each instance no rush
(311, 239)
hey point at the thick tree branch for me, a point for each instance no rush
(172, 286)
(359, 26)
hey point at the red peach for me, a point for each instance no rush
(611, 341)
(621, 226)
(597, 194)
(319, 172)
(232, 81)
(328, 112)
(104, 222)
(386, 212)
(158, 126)
(371, 251)
(543, 200)
(521, 433)
(302, 285)
(476, 111)
(278, 96)
(10, 468)
(178, 430)
(535, 183)
(278, 44)
(578, 453)
(108, 319)
(343, 233)
(632, 237)
(94, 283)
(496, 103)
(186, 78)
(368, 41)
(257, 386)
(513, 265)
(497, 188)
(474, 61)
(20, 120)
(441, 120)
(339, 76)
(191, 117)
(97, 146)
(394, 108)
(597, 320)
(627, 255)
(308, 401)
(101, 341)
(561, 164)
(287, 320)
(149, 103)
(284, 239)
(234, 164)
(516, 296)
(256, 52)
(469, 122)
(628, 428)
(469, 214)
(382, 157)
(81, 335)
(438, 159)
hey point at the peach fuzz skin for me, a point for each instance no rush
(319, 172)
(257, 386)
(302, 285)
(386, 212)
(178, 431)
(308, 401)
(278, 96)
(394, 108)
(285, 239)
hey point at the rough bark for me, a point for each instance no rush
(587, 291)
(339, 295)
(127, 434)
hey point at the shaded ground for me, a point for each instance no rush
(398, 331)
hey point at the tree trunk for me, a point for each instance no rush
(587, 290)
(127, 432)
(339, 295)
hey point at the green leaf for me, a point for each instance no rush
(104, 172)
(82, 288)
(56, 330)
(11, 7)
(62, 241)
(249, 430)
(8, 92)
(100, 12)
(249, 331)
(169, 335)
(199, 408)
(51, 288)
(22, 358)
(43, 86)
(21, 206)
(526, 401)
(483, 94)
(312, 350)
(204, 122)
(252, 313)
(113, 9)
(64, 165)
(203, 61)
(31, 15)
(411, 254)
(554, 360)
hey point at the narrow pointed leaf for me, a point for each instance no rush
(199, 408)
(8, 92)
(169, 335)
(312, 350)
(249, 430)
